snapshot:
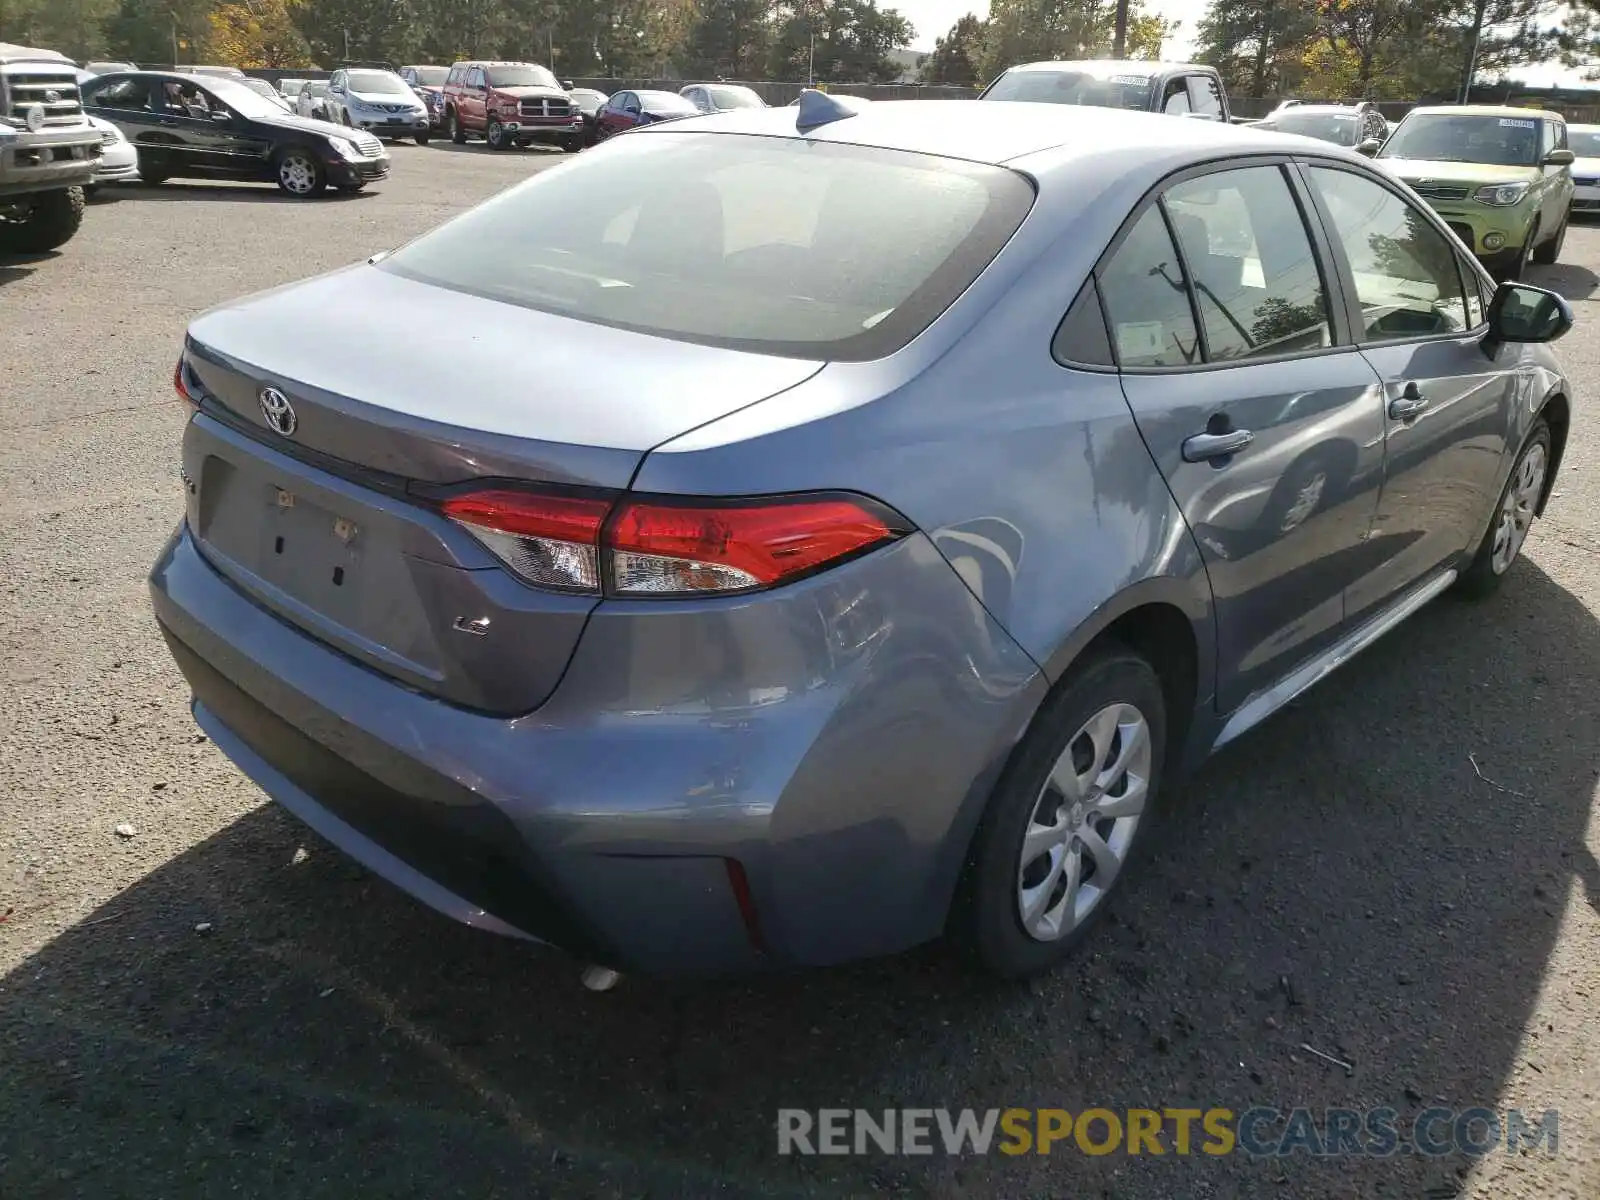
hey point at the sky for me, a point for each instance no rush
(933, 18)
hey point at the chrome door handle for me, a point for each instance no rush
(168, 121)
(1408, 405)
(1203, 447)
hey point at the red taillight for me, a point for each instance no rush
(549, 540)
(181, 386)
(665, 547)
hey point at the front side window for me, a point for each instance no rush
(1177, 101)
(1256, 279)
(774, 245)
(1405, 273)
(126, 94)
(1205, 96)
(1147, 299)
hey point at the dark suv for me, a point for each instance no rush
(510, 103)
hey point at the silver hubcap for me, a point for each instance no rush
(298, 174)
(495, 133)
(1083, 822)
(1516, 513)
(1305, 503)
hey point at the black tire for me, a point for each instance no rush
(422, 138)
(1519, 266)
(1551, 250)
(458, 135)
(305, 183)
(990, 919)
(1486, 571)
(495, 134)
(50, 220)
(572, 145)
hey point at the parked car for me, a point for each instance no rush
(48, 151)
(264, 89)
(1501, 178)
(312, 102)
(721, 97)
(428, 83)
(589, 102)
(1342, 124)
(199, 127)
(106, 68)
(119, 161)
(289, 89)
(220, 72)
(378, 101)
(1584, 142)
(1177, 89)
(840, 584)
(629, 110)
(510, 104)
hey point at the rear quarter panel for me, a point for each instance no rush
(1030, 477)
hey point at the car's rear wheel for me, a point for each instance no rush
(300, 174)
(1551, 250)
(1513, 516)
(1073, 806)
(458, 135)
(43, 221)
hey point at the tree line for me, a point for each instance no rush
(1382, 49)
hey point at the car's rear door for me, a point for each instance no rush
(127, 103)
(1417, 307)
(1264, 419)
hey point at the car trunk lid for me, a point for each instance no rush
(402, 392)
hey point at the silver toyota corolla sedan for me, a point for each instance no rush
(792, 535)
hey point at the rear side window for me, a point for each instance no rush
(1082, 337)
(1147, 299)
(1256, 279)
(773, 245)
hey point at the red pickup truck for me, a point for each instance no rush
(510, 103)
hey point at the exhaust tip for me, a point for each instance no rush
(600, 979)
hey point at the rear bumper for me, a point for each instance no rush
(839, 755)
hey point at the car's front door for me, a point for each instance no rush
(1556, 179)
(1266, 423)
(475, 99)
(1417, 308)
(215, 140)
(618, 114)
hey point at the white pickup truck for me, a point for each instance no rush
(48, 150)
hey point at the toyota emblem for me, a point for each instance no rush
(275, 407)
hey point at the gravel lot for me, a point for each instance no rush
(221, 1004)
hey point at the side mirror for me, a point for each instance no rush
(1370, 147)
(1520, 313)
(1559, 158)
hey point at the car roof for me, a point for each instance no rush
(1484, 110)
(1123, 66)
(981, 131)
(495, 62)
(10, 52)
(1348, 110)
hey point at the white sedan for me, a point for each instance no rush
(119, 161)
(1585, 143)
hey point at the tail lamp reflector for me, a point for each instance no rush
(551, 541)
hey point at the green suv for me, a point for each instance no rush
(1500, 177)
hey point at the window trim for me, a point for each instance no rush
(1343, 333)
(1352, 303)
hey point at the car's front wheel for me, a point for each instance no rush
(300, 174)
(1073, 806)
(422, 138)
(1551, 250)
(1513, 516)
(1518, 267)
(42, 222)
(496, 136)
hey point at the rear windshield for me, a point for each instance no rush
(1342, 129)
(736, 97)
(666, 102)
(1500, 141)
(1073, 87)
(521, 75)
(772, 245)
